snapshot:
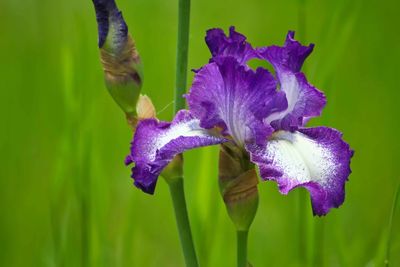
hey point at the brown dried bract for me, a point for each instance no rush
(119, 67)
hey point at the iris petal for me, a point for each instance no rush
(304, 100)
(156, 143)
(227, 95)
(315, 158)
(234, 45)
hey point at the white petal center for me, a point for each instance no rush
(301, 158)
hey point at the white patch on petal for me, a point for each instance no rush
(189, 128)
(301, 158)
(290, 86)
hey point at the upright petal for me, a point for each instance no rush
(315, 158)
(156, 143)
(289, 57)
(304, 100)
(235, 45)
(227, 95)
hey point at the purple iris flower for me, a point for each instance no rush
(261, 113)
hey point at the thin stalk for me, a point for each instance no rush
(390, 232)
(176, 185)
(182, 54)
(242, 248)
(182, 220)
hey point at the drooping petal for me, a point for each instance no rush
(304, 100)
(315, 158)
(156, 143)
(227, 95)
(234, 45)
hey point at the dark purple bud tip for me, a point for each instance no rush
(108, 15)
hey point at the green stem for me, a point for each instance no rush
(176, 185)
(182, 54)
(182, 220)
(390, 232)
(242, 248)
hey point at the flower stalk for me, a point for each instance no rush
(182, 54)
(242, 248)
(173, 174)
(182, 219)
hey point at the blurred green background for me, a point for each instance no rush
(66, 197)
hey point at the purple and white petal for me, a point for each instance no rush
(315, 158)
(304, 100)
(227, 95)
(234, 45)
(156, 143)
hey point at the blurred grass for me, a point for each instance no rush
(65, 190)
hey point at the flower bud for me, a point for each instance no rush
(120, 59)
(238, 185)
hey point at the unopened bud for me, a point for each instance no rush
(121, 62)
(238, 185)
